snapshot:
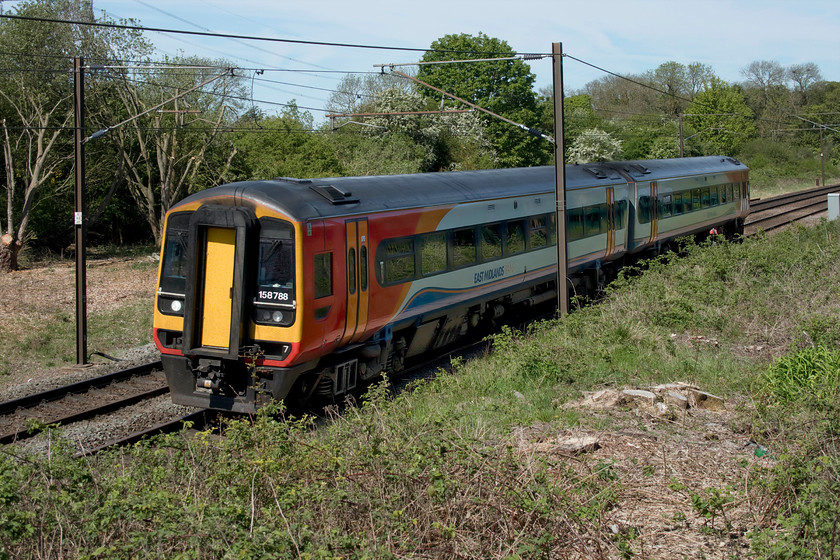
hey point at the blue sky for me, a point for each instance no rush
(625, 37)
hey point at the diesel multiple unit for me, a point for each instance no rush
(290, 288)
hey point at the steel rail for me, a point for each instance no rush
(8, 407)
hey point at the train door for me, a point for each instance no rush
(215, 291)
(358, 284)
(611, 221)
(217, 287)
(644, 221)
(654, 211)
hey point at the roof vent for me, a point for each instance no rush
(596, 171)
(640, 168)
(334, 194)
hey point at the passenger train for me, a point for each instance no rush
(291, 288)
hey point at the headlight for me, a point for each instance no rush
(274, 317)
(170, 304)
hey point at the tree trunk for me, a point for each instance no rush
(9, 250)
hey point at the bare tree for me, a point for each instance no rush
(803, 77)
(177, 148)
(36, 109)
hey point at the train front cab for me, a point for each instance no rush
(219, 323)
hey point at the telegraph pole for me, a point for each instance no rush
(560, 181)
(78, 216)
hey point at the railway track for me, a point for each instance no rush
(22, 418)
(779, 211)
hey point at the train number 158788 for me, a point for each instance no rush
(267, 295)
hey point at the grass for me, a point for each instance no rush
(449, 467)
(40, 325)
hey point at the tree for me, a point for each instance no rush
(356, 91)
(672, 79)
(803, 77)
(36, 107)
(698, 76)
(721, 118)
(180, 148)
(594, 145)
(504, 87)
(283, 146)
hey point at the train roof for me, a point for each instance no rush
(306, 199)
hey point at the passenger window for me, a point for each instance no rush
(432, 253)
(491, 242)
(515, 240)
(463, 247)
(737, 193)
(538, 234)
(553, 233)
(620, 212)
(643, 211)
(687, 206)
(665, 206)
(679, 207)
(705, 197)
(592, 220)
(695, 199)
(399, 260)
(715, 199)
(323, 275)
(574, 224)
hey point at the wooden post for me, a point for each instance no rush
(560, 181)
(79, 215)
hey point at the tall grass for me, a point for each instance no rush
(437, 471)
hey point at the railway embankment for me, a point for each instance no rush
(693, 413)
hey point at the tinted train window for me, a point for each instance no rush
(399, 260)
(274, 303)
(687, 205)
(538, 234)
(173, 272)
(665, 206)
(515, 239)
(704, 197)
(644, 210)
(715, 200)
(679, 207)
(463, 247)
(351, 271)
(323, 275)
(491, 242)
(737, 192)
(620, 210)
(432, 253)
(574, 224)
(595, 220)
(363, 268)
(553, 220)
(276, 273)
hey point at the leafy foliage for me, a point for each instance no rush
(720, 114)
(594, 145)
(504, 87)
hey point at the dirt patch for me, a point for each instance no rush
(679, 480)
(30, 297)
